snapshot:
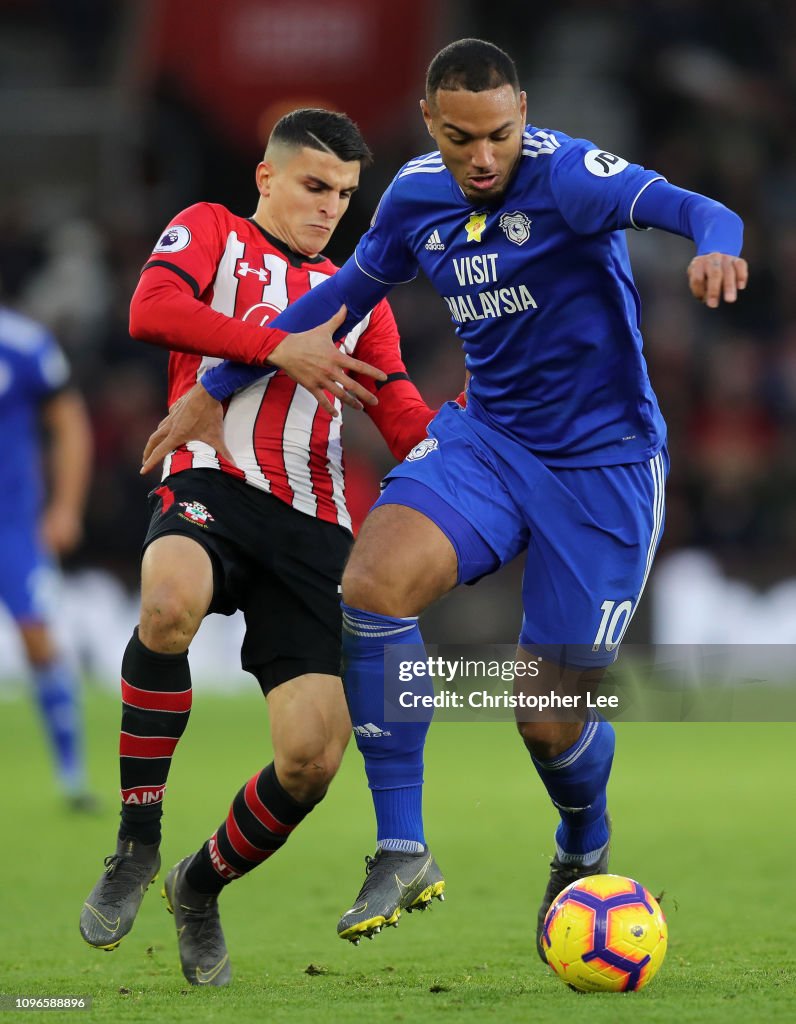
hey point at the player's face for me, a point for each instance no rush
(479, 135)
(303, 195)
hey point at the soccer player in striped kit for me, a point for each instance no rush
(559, 454)
(257, 522)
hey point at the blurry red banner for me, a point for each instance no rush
(246, 62)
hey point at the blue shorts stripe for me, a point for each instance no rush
(658, 477)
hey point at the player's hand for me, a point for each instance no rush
(313, 360)
(61, 529)
(716, 276)
(197, 416)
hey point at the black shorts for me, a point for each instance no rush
(280, 567)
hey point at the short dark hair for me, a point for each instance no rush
(324, 130)
(471, 64)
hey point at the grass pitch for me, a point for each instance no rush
(702, 812)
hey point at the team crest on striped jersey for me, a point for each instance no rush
(516, 227)
(195, 512)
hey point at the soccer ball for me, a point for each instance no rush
(605, 933)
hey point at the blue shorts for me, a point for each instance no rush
(590, 533)
(27, 573)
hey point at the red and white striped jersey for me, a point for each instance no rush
(213, 282)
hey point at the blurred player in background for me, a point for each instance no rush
(257, 521)
(41, 511)
(560, 452)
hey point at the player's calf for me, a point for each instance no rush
(310, 729)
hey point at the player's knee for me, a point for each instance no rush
(306, 770)
(168, 621)
(547, 740)
(366, 589)
(359, 588)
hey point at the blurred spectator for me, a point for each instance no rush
(71, 291)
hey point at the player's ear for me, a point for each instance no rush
(263, 176)
(523, 108)
(425, 110)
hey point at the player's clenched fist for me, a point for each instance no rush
(716, 276)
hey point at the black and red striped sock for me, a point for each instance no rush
(261, 818)
(156, 696)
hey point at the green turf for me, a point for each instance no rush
(703, 812)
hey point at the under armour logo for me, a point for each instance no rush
(244, 269)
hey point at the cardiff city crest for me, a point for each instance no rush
(420, 451)
(516, 227)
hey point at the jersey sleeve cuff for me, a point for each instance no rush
(273, 339)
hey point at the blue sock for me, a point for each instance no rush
(576, 782)
(57, 695)
(393, 751)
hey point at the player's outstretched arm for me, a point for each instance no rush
(311, 359)
(165, 311)
(350, 287)
(717, 271)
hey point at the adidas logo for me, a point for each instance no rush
(434, 243)
(370, 730)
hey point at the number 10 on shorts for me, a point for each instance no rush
(613, 624)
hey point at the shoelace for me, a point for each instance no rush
(370, 863)
(563, 874)
(118, 883)
(208, 933)
(111, 863)
(207, 912)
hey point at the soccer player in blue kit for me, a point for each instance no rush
(35, 393)
(560, 452)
